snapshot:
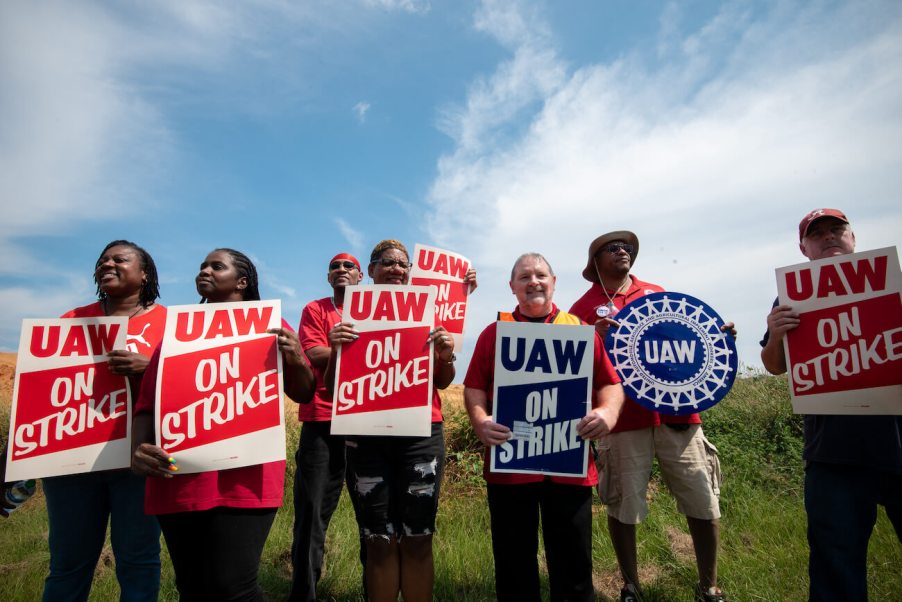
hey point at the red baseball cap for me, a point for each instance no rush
(817, 214)
(345, 256)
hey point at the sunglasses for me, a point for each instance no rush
(388, 263)
(348, 265)
(616, 247)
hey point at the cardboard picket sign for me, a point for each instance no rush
(542, 389)
(219, 386)
(445, 271)
(383, 380)
(845, 357)
(69, 414)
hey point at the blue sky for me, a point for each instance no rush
(295, 130)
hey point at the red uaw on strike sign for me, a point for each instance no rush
(845, 357)
(219, 386)
(70, 414)
(445, 271)
(383, 380)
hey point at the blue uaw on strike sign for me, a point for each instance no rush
(543, 388)
(671, 355)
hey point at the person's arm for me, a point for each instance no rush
(342, 333)
(489, 432)
(148, 459)
(607, 403)
(297, 378)
(318, 356)
(443, 349)
(780, 320)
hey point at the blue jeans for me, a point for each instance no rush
(79, 507)
(841, 502)
(317, 487)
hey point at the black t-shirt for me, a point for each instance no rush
(855, 440)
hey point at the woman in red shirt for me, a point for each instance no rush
(216, 522)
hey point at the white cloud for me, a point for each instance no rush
(351, 234)
(408, 6)
(711, 156)
(360, 110)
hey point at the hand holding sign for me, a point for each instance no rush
(127, 363)
(597, 423)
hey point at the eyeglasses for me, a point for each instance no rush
(616, 247)
(388, 263)
(348, 265)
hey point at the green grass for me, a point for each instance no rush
(763, 549)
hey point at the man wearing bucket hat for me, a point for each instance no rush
(853, 463)
(320, 456)
(687, 460)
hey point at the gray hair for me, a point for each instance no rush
(536, 256)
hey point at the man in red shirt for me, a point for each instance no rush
(517, 500)
(321, 455)
(687, 460)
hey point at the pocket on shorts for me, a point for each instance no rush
(608, 484)
(712, 460)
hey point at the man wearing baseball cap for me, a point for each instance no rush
(687, 459)
(852, 462)
(320, 456)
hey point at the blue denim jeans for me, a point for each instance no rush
(318, 481)
(79, 507)
(841, 502)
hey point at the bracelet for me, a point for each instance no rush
(451, 361)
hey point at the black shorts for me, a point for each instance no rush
(396, 482)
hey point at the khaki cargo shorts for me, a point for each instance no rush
(688, 462)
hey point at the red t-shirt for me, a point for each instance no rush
(317, 319)
(144, 333)
(481, 375)
(634, 416)
(259, 486)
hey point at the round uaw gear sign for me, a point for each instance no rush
(671, 355)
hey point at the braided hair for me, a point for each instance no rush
(245, 267)
(150, 290)
(384, 245)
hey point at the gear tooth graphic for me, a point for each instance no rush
(699, 391)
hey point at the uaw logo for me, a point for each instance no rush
(671, 354)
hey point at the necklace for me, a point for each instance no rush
(106, 311)
(335, 307)
(608, 308)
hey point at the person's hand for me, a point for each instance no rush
(342, 333)
(781, 320)
(151, 461)
(602, 325)
(470, 279)
(443, 344)
(289, 346)
(730, 329)
(491, 433)
(127, 363)
(596, 423)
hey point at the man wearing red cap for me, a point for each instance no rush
(852, 463)
(321, 456)
(687, 460)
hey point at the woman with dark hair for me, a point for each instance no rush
(216, 522)
(396, 480)
(79, 506)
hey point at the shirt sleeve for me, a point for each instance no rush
(311, 331)
(480, 372)
(604, 369)
(147, 395)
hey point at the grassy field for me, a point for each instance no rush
(763, 550)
